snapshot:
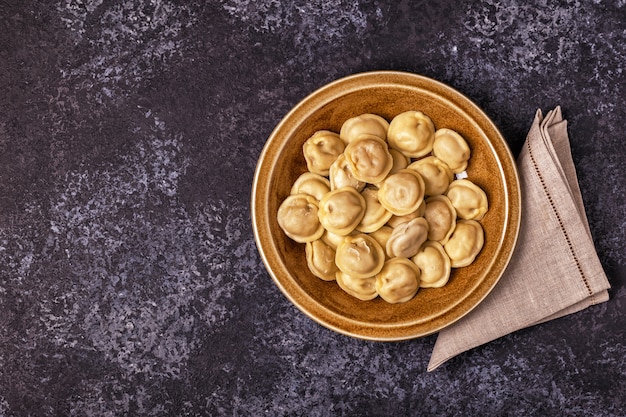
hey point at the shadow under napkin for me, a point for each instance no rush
(554, 270)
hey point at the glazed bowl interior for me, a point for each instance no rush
(387, 94)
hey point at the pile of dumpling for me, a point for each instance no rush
(381, 210)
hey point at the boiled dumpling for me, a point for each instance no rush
(434, 264)
(398, 281)
(397, 220)
(469, 200)
(406, 239)
(465, 243)
(360, 256)
(369, 158)
(381, 236)
(312, 184)
(412, 133)
(341, 210)
(321, 150)
(436, 174)
(362, 288)
(441, 217)
(332, 239)
(340, 175)
(369, 124)
(400, 161)
(402, 193)
(320, 258)
(375, 214)
(298, 218)
(452, 149)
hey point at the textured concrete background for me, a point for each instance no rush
(130, 283)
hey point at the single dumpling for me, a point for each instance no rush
(332, 239)
(402, 193)
(298, 218)
(412, 133)
(341, 210)
(362, 288)
(441, 217)
(436, 174)
(406, 239)
(321, 150)
(369, 124)
(396, 220)
(360, 256)
(465, 243)
(340, 175)
(452, 149)
(400, 161)
(381, 236)
(398, 281)
(369, 158)
(434, 264)
(312, 184)
(320, 259)
(469, 200)
(375, 214)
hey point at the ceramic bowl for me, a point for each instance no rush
(386, 93)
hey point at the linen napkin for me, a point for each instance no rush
(554, 270)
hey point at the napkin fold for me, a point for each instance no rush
(554, 270)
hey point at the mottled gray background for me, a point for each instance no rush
(130, 283)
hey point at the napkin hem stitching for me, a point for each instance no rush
(560, 221)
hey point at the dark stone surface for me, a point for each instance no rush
(130, 283)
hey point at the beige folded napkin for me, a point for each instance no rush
(554, 270)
